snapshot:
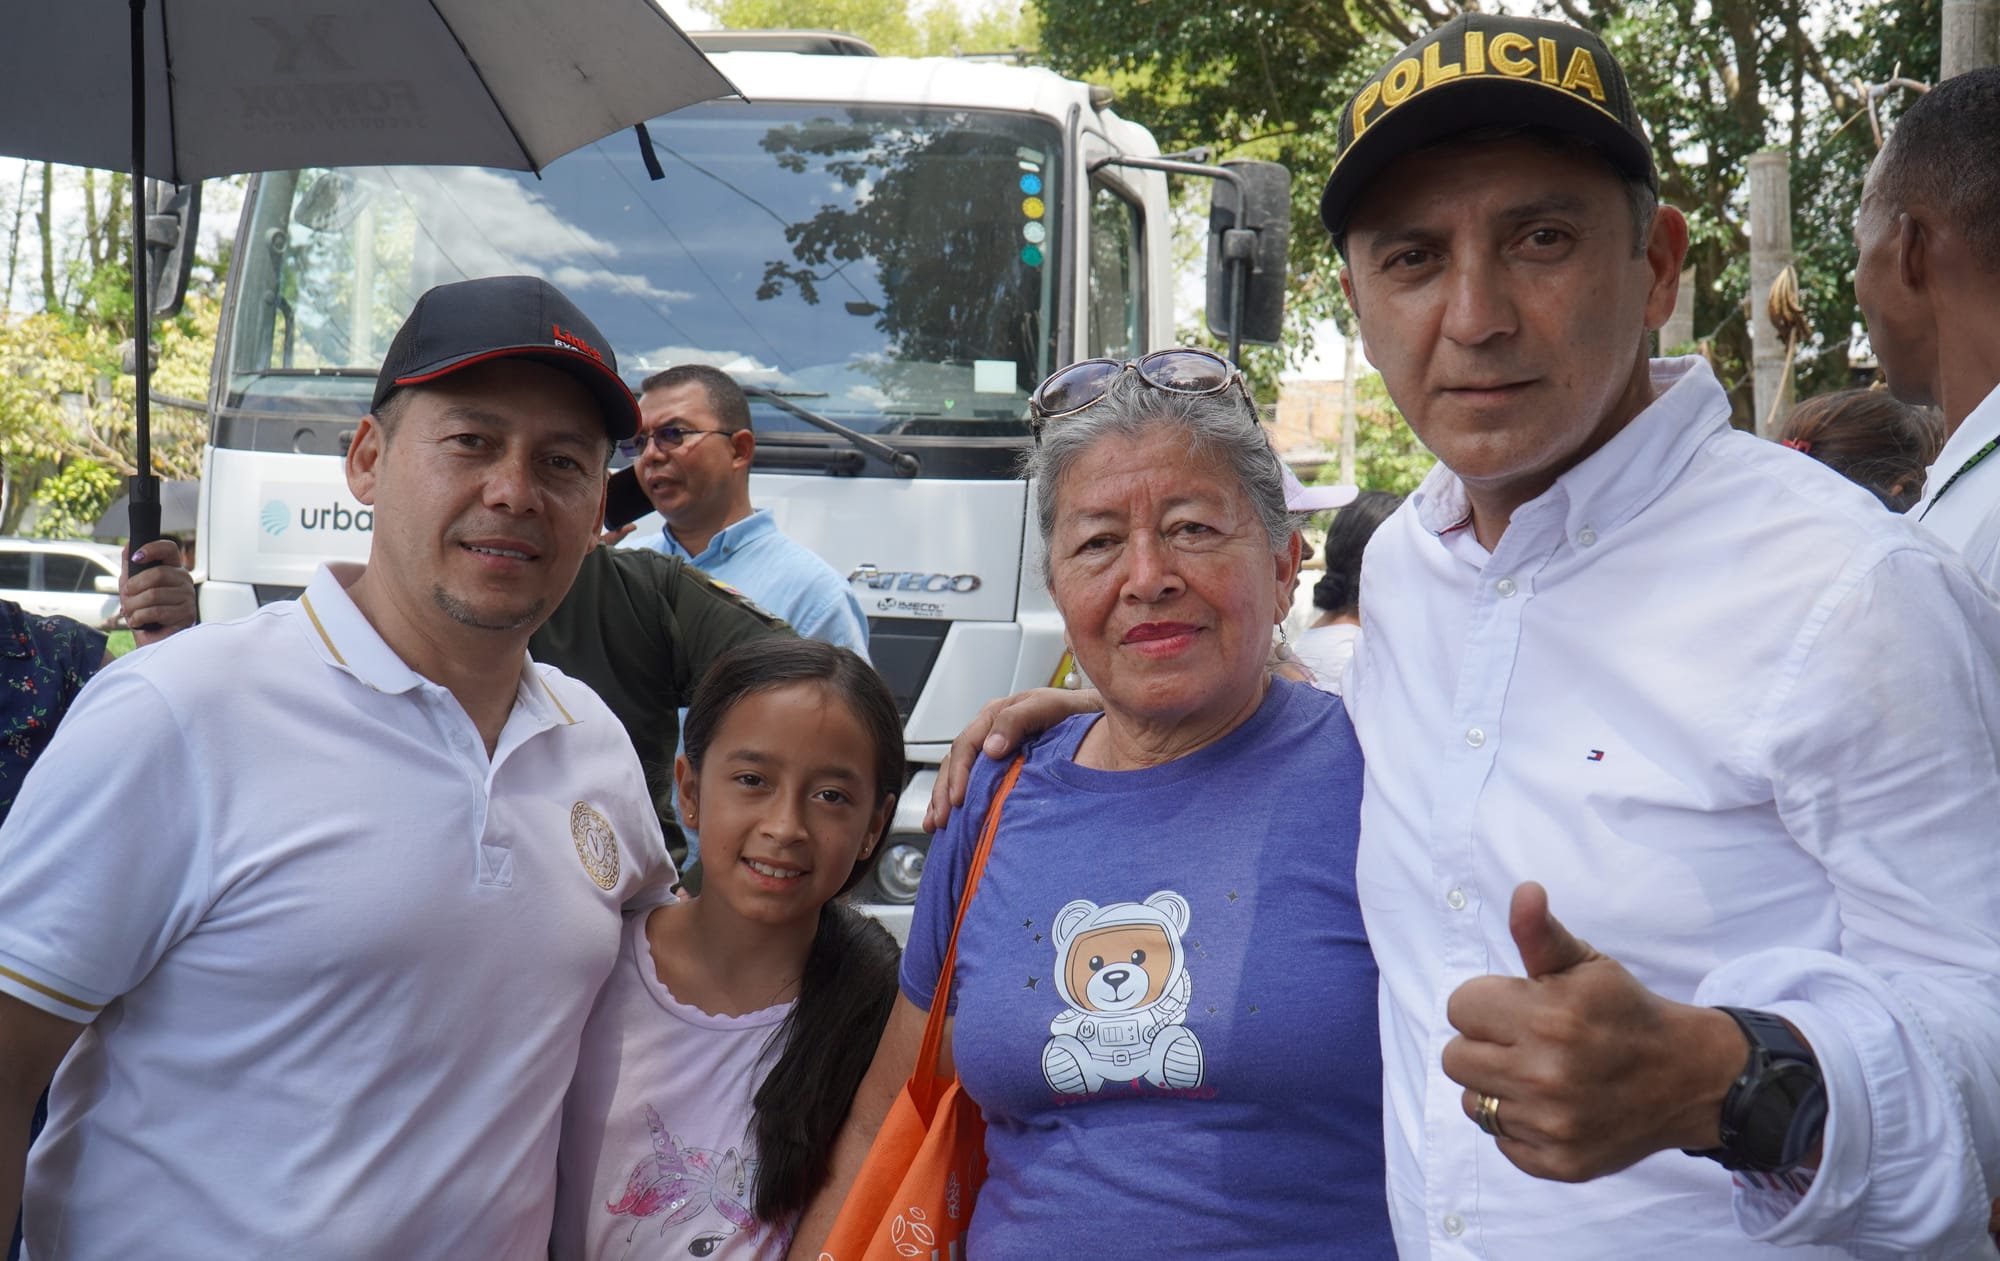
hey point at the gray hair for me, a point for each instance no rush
(1212, 425)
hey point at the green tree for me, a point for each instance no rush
(63, 402)
(937, 29)
(65, 399)
(49, 379)
(1718, 80)
(1387, 455)
(70, 503)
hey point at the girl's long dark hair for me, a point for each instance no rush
(828, 1040)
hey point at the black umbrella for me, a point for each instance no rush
(218, 87)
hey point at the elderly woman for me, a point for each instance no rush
(1164, 1002)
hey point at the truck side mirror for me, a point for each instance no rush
(173, 214)
(1248, 234)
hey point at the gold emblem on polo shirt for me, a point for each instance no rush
(596, 843)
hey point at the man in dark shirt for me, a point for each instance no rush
(641, 629)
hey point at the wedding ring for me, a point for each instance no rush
(1486, 1115)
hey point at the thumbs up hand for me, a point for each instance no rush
(1546, 947)
(1592, 1070)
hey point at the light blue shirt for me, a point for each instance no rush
(787, 578)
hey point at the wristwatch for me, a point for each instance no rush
(1775, 1110)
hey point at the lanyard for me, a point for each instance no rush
(1963, 469)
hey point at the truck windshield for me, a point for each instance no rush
(892, 267)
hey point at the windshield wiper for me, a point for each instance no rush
(902, 463)
(366, 374)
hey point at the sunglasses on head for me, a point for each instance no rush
(1177, 370)
(666, 438)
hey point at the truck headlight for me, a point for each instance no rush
(900, 867)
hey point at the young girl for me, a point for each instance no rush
(725, 1049)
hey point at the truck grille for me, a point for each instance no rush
(904, 649)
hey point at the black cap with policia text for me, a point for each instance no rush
(1483, 70)
(457, 325)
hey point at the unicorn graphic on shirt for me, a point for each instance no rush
(682, 1185)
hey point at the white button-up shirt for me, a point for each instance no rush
(1969, 517)
(1742, 724)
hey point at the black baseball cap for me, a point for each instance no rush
(516, 317)
(1485, 70)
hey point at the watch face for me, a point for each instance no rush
(1776, 1099)
(1774, 1114)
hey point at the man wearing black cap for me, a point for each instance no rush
(317, 902)
(1731, 720)
(1738, 724)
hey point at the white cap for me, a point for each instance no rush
(1300, 497)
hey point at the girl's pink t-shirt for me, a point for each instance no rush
(658, 1156)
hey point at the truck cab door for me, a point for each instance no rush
(1120, 226)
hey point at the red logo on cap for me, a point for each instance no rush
(570, 341)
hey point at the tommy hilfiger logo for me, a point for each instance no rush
(570, 341)
(1596, 755)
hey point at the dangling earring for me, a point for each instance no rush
(1072, 681)
(1283, 652)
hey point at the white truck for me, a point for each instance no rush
(902, 247)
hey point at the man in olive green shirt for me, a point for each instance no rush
(641, 629)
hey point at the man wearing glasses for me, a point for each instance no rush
(693, 456)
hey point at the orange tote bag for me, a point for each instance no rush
(912, 1200)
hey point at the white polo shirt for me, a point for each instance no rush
(1968, 516)
(336, 962)
(1745, 727)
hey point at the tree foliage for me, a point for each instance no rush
(66, 403)
(63, 398)
(1715, 81)
(1718, 80)
(1387, 455)
(938, 29)
(71, 502)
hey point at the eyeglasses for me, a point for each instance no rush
(666, 438)
(1177, 370)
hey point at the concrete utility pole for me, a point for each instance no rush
(1348, 417)
(1971, 35)
(1770, 254)
(1677, 334)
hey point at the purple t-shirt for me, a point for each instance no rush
(1165, 1004)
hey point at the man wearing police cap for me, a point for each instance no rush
(1624, 664)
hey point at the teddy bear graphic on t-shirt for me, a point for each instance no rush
(1123, 973)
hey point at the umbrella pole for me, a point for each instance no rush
(145, 486)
